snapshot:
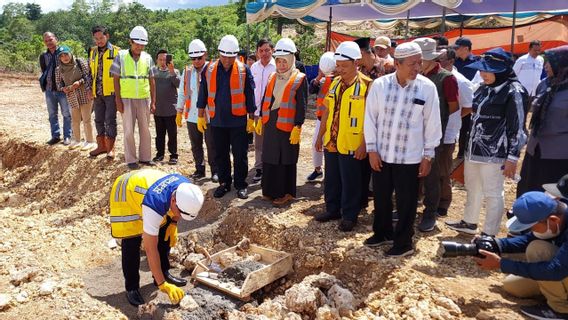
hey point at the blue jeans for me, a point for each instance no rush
(53, 98)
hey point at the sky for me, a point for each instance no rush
(47, 6)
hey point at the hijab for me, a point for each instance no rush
(282, 79)
(70, 72)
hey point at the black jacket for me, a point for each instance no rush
(497, 131)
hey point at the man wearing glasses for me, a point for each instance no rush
(187, 100)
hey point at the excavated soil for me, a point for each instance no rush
(57, 260)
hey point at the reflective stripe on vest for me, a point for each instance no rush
(134, 75)
(187, 92)
(237, 88)
(287, 109)
(351, 115)
(322, 92)
(107, 78)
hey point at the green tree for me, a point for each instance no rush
(33, 11)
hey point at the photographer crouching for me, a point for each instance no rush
(546, 248)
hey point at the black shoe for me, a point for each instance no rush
(326, 216)
(198, 174)
(462, 226)
(134, 297)
(258, 176)
(442, 212)
(315, 176)
(173, 161)
(428, 222)
(346, 225)
(178, 282)
(133, 166)
(148, 163)
(399, 252)
(510, 214)
(542, 312)
(242, 193)
(158, 159)
(376, 241)
(53, 141)
(221, 191)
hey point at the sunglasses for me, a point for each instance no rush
(198, 58)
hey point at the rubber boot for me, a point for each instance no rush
(110, 147)
(101, 148)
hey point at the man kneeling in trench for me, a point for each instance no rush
(148, 204)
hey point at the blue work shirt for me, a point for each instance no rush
(552, 270)
(223, 113)
(160, 193)
(460, 64)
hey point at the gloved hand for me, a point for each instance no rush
(201, 124)
(295, 135)
(258, 128)
(178, 119)
(174, 293)
(250, 125)
(172, 234)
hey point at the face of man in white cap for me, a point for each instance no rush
(346, 56)
(382, 46)
(429, 53)
(408, 62)
(228, 51)
(138, 40)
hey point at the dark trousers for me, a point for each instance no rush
(131, 258)
(365, 179)
(235, 141)
(105, 116)
(166, 125)
(432, 186)
(343, 187)
(403, 180)
(464, 134)
(196, 139)
(445, 166)
(537, 171)
(278, 180)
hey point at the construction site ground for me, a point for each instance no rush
(56, 261)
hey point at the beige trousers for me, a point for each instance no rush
(82, 113)
(136, 110)
(555, 292)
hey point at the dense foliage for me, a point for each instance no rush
(22, 26)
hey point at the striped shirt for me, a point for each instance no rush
(402, 124)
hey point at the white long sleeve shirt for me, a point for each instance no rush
(465, 100)
(260, 74)
(402, 124)
(528, 70)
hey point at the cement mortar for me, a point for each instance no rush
(212, 305)
(238, 272)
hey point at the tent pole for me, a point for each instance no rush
(407, 24)
(513, 27)
(328, 36)
(443, 27)
(461, 25)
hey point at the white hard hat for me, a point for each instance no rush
(189, 199)
(139, 35)
(229, 46)
(347, 50)
(327, 63)
(284, 46)
(196, 48)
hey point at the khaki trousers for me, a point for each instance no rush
(136, 111)
(82, 113)
(555, 292)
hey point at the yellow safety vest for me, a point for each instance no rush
(126, 198)
(108, 58)
(134, 75)
(351, 114)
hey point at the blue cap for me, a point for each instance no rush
(495, 61)
(62, 49)
(529, 209)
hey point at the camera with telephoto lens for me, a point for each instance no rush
(456, 249)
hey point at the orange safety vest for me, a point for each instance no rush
(287, 110)
(187, 89)
(237, 86)
(320, 106)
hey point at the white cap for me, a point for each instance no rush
(327, 63)
(229, 46)
(284, 46)
(196, 48)
(189, 199)
(139, 35)
(406, 50)
(347, 50)
(428, 47)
